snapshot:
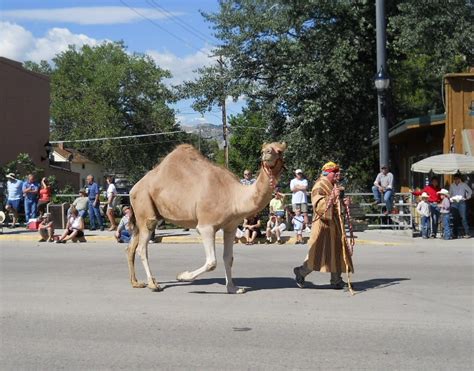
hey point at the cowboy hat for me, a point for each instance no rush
(425, 195)
(443, 192)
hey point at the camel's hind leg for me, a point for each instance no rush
(132, 248)
(228, 260)
(208, 235)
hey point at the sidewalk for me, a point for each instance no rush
(170, 236)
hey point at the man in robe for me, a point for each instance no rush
(328, 247)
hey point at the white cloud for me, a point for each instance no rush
(182, 67)
(15, 41)
(20, 45)
(87, 15)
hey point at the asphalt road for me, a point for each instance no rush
(71, 307)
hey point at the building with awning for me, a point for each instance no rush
(414, 139)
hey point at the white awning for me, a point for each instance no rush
(450, 163)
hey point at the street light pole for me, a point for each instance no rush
(382, 82)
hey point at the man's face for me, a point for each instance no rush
(457, 180)
(31, 178)
(384, 170)
(299, 175)
(90, 179)
(332, 177)
(434, 182)
(247, 174)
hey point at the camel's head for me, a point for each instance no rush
(272, 154)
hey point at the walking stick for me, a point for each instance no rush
(344, 242)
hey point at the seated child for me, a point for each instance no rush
(275, 226)
(298, 222)
(445, 211)
(46, 229)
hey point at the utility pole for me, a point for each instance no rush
(382, 81)
(224, 114)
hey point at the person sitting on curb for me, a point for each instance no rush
(81, 203)
(275, 227)
(46, 228)
(252, 229)
(74, 228)
(123, 234)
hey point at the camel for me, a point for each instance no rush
(188, 190)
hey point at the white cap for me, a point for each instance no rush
(425, 195)
(298, 171)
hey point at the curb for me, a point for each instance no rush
(183, 240)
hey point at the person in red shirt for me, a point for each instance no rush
(434, 199)
(44, 196)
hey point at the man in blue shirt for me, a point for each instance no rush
(15, 193)
(94, 204)
(30, 193)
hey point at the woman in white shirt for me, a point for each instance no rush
(74, 228)
(111, 199)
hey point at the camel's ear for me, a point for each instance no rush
(283, 146)
(264, 145)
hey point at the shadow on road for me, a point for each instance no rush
(273, 283)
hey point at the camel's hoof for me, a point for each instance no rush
(184, 277)
(155, 288)
(236, 290)
(138, 285)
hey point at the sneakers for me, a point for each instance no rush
(298, 277)
(268, 240)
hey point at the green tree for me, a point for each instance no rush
(22, 166)
(103, 91)
(311, 63)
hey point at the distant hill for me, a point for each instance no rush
(208, 131)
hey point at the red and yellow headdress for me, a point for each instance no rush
(330, 167)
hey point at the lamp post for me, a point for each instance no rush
(382, 81)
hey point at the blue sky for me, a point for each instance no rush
(172, 32)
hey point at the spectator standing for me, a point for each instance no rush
(298, 222)
(277, 206)
(44, 196)
(444, 209)
(30, 193)
(111, 202)
(81, 203)
(299, 199)
(15, 193)
(423, 209)
(46, 228)
(123, 234)
(434, 199)
(275, 227)
(383, 188)
(252, 229)
(247, 179)
(460, 192)
(94, 204)
(74, 228)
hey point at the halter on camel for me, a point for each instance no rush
(269, 170)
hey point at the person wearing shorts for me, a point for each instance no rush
(74, 228)
(275, 227)
(14, 190)
(299, 199)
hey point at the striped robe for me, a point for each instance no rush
(326, 242)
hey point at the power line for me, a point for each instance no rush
(186, 26)
(160, 27)
(114, 138)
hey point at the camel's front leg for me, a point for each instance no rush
(143, 251)
(208, 235)
(228, 260)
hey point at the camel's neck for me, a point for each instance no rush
(255, 197)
